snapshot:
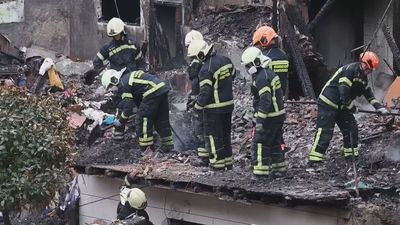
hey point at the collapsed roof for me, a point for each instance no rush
(378, 167)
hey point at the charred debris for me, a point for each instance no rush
(378, 167)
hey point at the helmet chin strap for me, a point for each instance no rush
(252, 70)
(266, 61)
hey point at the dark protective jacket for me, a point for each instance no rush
(123, 211)
(216, 77)
(279, 64)
(120, 54)
(346, 84)
(268, 96)
(193, 70)
(139, 86)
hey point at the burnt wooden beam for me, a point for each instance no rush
(295, 17)
(113, 173)
(94, 171)
(322, 12)
(79, 169)
(299, 64)
(275, 14)
(392, 45)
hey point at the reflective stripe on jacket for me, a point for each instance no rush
(120, 54)
(268, 96)
(216, 76)
(345, 85)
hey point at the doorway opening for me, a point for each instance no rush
(168, 38)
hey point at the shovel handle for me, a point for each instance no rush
(375, 112)
(360, 110)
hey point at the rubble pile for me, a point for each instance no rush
(242, 115)
(233, 23)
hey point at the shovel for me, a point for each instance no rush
(99, 130)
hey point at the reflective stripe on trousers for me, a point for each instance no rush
(259, 168)
(145, 139)
(220, 163)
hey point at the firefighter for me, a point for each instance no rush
(336, 105)
(270, 114)
(121, 51)
(216, 102)
(193, 71)
(133, 202)
(150, 95)
(266, 39)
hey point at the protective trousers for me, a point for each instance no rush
(118, 132)
(267, 153)
(218, 139)
(154, 112)
(202, 152)
(327, 117)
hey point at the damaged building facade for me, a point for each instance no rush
(76, 28)
(58, 26)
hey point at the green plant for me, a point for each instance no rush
(36, 145)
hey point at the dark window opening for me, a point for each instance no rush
(129, 10)
(181, 222)
(167, 41)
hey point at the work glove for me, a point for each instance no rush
(382, 111)
(190, 103)
(353, 109)
(108, 120)
(254, 120)
(118, 123)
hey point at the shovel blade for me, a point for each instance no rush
(96, 133)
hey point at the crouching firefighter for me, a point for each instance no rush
(150, 95)
(216, 101)
(133, 203)
(270, 114)
(193, 71)
(336, 105)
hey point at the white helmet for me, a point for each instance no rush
(192, 35)
(111, 77)
(199, 49)
(115, 26)
(252, 58)
(137, 199)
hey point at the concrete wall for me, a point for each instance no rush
(373, 11)
(347, 27)
(84, 31)
(67, 27)
(336, 34)
(99, 199)
(45, 23)
(12, 11)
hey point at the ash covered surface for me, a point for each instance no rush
(378, 165)
(232, 23)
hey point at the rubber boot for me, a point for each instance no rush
(200, 162)
(118, 133)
